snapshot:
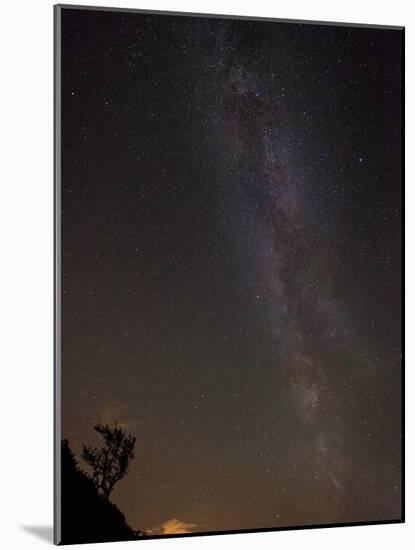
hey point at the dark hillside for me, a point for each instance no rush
(86, 515)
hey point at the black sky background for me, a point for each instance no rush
(231, 265)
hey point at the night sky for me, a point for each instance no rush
(231, 265)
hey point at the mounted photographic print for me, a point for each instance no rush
(228, 284)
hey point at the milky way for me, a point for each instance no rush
(231, 265)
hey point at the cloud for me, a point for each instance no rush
(173, 526)
(112, 413)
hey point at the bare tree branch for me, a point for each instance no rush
(109, 463)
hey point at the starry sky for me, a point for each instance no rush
(231, 265)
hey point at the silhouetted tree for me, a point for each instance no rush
(86, 515)
(110, 462)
